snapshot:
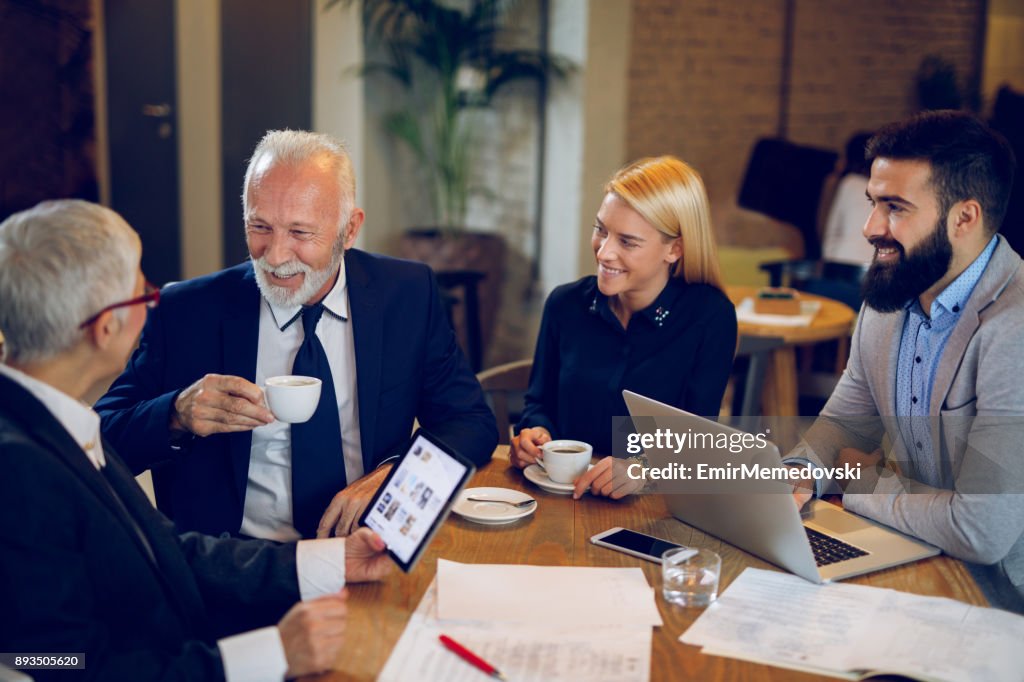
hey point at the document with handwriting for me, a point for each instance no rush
(539, 652)
(854, 630)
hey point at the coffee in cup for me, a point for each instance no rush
(292, 398)
(565, 460)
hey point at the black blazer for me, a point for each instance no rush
(76, 575)
(409, 366)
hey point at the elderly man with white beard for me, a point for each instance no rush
(190, 406)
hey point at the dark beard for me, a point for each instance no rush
(887, 288)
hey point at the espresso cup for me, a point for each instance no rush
(565, 460)
(293, 399)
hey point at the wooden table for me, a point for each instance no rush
(558, 534)
(833, 321)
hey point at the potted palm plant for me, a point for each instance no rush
(450, 61)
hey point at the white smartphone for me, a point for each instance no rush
(633, 543)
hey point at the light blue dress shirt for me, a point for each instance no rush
(924, 338)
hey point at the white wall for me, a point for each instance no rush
(338, 101)
(563, 152)
(586, 139)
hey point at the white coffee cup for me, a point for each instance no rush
(293, 399)
(565, 460)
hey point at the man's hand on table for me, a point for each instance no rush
(344, 511)
(219, 404)
(607, 478)
(313, 634)
(803, 491)
(525, 449)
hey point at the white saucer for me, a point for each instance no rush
(538, 476)
(492, 513)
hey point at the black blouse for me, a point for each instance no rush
(679, 351)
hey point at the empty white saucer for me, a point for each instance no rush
(538, 476)
(488, 506)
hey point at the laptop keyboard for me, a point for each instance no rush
(827, 550)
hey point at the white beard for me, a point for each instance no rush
(312, 282)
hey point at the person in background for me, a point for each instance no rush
(86, 564)
(934, 369)
(843, 240)
(373, 329)
(653, 320)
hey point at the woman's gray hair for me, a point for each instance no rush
(60, 263)
(293, 147)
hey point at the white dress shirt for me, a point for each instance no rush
(255, 656)
(268, 493)
(844, 239)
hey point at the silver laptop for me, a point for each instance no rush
(770, 526)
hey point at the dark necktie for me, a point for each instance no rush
(318, 463)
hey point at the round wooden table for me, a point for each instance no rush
(833, 321)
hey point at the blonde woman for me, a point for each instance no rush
(654, 320)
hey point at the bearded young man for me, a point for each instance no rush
(190, 407)
(935, 372)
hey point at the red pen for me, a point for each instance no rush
(468, 656)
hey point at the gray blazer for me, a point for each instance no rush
(977, 424)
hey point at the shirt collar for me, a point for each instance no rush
(954, 297)
(658, 312)
(335, 302)
(77, 418)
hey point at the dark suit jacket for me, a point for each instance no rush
(409, 367)
(75, 575)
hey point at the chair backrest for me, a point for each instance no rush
(758, 349)
(468, 322)
(1008, 119)
(784, 180)
(498, 383)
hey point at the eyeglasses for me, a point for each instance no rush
(151, 298)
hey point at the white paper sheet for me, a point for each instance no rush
(523, 653)
(779, 616)
(780, 619)
(565, 596)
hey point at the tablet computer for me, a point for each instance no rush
(415, 498)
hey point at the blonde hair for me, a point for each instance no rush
(670, 196)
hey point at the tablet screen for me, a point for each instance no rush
(415, 498)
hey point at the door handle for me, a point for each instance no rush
(162, 110)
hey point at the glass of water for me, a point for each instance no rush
(689, 576)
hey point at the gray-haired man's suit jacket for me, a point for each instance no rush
(977, 424)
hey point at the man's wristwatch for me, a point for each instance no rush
(642, 460)
(645, 464)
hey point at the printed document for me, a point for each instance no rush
(850, 630)
(537, 652)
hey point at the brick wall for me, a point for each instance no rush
(705, 75)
